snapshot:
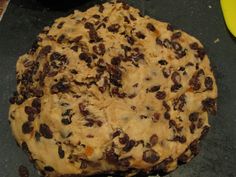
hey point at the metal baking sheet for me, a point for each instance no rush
(24, 19)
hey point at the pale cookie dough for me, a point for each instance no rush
(111, 91)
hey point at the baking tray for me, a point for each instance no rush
(24, 19)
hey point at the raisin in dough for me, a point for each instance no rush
(109, 90)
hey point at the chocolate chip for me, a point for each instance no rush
(130, 40)
(62, 86)
(116, 133)
(61, 38)
(129, 145)
(209, 105)
(161, 95)
(101, 8)
(194, 46)
(100, 50)
(111, 156)
(49, 168)
(167, 43)
(200, 123)
(27, 128)
(28, 63)
(77, 39)
(140, 35)
(38, 92)
(162, 167)
(193, 117)
(167, 115)
(25, 148)
(153, 139)
(89, 25)
(151, 27)
(166, 106)
(45, 131)
(85, 57)
(166, 72)
(66, 121)
(116, 60)
(163, 62)
(176, 35)
(181, 139)
(195, 83)
(158, 41)
(177, 47)
(124, 139)
(44, 51)
(114, 28)
(132, 17)
(125, 6)
(175, 77)
(60, 25)
(183, 159)
(175, 87)
(209, 83)
(201, 53)
(30, 110)
(150, 156)
(94, 36)
(61, 152)
(36, 103)
(23, 171)
(83, 109)
(170, 27)
(154, 88)
(194, 147)
(96, 16)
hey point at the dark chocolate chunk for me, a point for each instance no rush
(192, 127)
(101, 8)
(156, 117)
(175, 87)
(61, 152)
(140, 35)
(130, 40)
(23, 171)
(167, 43)
(170, 27)
(208, 83)
(116, 133)
(30, 110)
(194, 46)
(62, 86)
(209, 105)
(161, 95)
(77, 39)
(124, 162)
(158, 41)
(60, 25)
(175, 77)
(176, 35)
(45, 131)
(162, 62)
(151, 27)
(194, 147)
(183, 159)
(44, 51)
(177, 47)
(132, 17)
(162, 168)
(61, 38)
(181, 139)
(166, 106)
(38, 92)
(154, 88)
(49, 168)
(96, 16)
(193, 117)
(150, 156)
(166, 72)
(129, 145)
(83, 164)
(83, 109)
(27, 128)
(100, 49)
(111, 156)
(114, 28)
(85, 57)
(205, 131)
(94, 36)
(116, 60)
(153, 139)
(124, 139)
(36, 103)
(89, 25)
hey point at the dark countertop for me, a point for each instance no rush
(24, 19)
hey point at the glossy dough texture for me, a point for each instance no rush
(109, 90)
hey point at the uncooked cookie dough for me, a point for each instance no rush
(111, 91)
